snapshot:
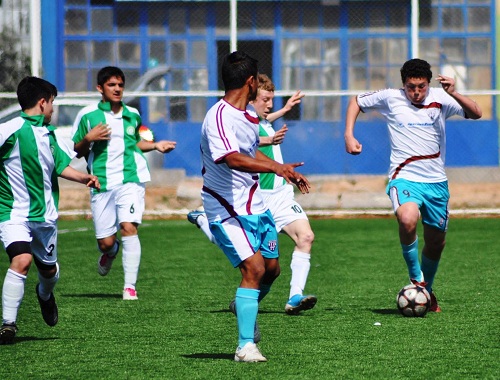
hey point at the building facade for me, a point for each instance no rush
(320, 47)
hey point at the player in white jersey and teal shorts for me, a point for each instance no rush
(238, 218)
(31, 159)
(278, 195)
(416, 115)
(107, 135)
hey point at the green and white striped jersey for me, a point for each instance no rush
(270, 181)
(31, 159)
(118, 160)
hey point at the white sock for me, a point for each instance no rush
(300, 270)
(131, 258)
(12, 295)
(47, 285)
(202, 222)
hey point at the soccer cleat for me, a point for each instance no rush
(434, 304)
(256, 331)
(49, 310)
(422, 284)
(193, 217)
(249, 353)
(7, 333)
(129, 294)
(105, 261)
(298, 303)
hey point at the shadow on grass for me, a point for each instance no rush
(92, 295)
(20, 339)
(385, 311)
(209, 356)
(229, 311)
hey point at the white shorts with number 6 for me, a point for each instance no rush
(283, 206)
(124, 203)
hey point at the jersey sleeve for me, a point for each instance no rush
(221, 138)
(372, 100)
(450, 105)
(61, 153)
(80, 127)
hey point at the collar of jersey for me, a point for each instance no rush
(37, 121)
(106, 107)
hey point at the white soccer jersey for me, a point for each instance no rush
(227, 192)
(417, 132)
(270, 181)
(118, 160)
(31, 158)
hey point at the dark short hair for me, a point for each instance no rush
(416, 68)
(31, 89)
(237, 67)
(108, 72)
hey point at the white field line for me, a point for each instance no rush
(312, 213)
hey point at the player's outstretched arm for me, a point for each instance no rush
(292, 102)
(470, 107)
(263, 164)
(276, 139)
(162, 146)
(74, 175)
(99, 133)
(352, 145)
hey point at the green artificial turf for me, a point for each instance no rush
(181, 328)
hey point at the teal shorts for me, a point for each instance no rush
(431, 198)
(241, 236)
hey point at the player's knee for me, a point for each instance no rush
(46, 270)
(20, 257)
(273, 272)
(434, 248)
(106, 244)
(306, 238)
(20, 252)
(128, 229)
(407, 222)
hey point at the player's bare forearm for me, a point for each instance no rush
(163, 146)
(470, 107)
(245, 163)
(287, 171)
(74, 175)
(276, 139)
(101, 132)
(352, 145)
(82, 148)
(265, 140)
(292, 102)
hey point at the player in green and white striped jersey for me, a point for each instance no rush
(107, 135)
(31, 159)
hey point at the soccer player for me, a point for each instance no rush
(418, 185)
(278, 196)
(31, 160)
(107, 134)
(239, 220)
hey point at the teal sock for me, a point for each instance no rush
(264, 289)
(410, 254)
(247, 307)
(429, 268)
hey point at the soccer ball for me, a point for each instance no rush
(146, 133)
(413, 301)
